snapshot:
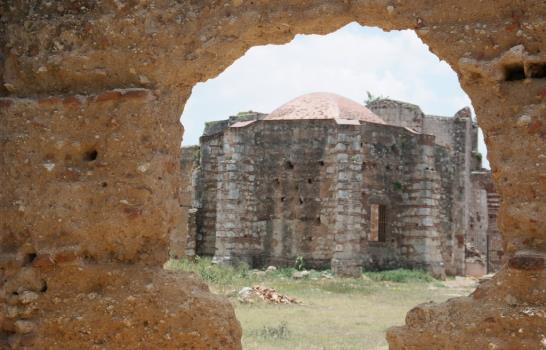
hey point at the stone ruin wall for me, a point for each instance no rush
(185, 243)
(207, 194)
(399, 172)
(280, 191)
(484, 232)
(53, 56)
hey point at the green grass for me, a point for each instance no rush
(335, 313)
(220, 277)
(400, 276)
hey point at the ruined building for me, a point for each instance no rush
(343, 186)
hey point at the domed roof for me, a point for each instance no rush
(323, 105)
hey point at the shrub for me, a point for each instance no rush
(400, 276)
(211, 273)
(299, 264)
(273, 332)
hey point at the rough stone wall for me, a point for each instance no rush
(286, 220)
(189, 171)
(484, 231)
(86, 224)
(348, 158)
(458, 135)
(281, 195)
(211, 150)
(86, 48)
(399, 113)
(396, 174)
(424, 186)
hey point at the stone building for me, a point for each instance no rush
(343, 186)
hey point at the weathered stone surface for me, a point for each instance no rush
(52, 53)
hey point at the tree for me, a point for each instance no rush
(371, 98)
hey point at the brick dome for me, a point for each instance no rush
(323, 105)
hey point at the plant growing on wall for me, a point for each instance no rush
(299, 264)
(372, 98)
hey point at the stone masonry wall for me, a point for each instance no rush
(286, 180)
(281, 196)
(399, 172)
(189, 170)
(399, 113)
(484, 229)
(211, 151)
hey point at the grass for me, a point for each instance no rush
(400, 276)
(336, 313)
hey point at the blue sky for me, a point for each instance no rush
(348, 62)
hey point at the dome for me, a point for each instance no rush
(323, 105)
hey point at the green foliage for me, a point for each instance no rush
(400, 276)
(397, 185)
(299, 264)
(372, 98)
(282, 272)
(197, 156)
(213, 123)
(222, 276)
(479, 156)
(228, 280)
(273, 332)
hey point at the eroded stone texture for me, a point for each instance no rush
(90, 48)
(86, 226)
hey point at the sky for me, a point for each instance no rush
(348, 62)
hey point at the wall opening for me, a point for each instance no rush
(514, 72)
(296, 221)
(537, 70)
(90, 155)
(378, 223)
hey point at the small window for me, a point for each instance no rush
(537, 70)
(514, 72)
(378, 223)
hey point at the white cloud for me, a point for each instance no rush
(348, 62)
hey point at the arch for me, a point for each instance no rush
(114, 76)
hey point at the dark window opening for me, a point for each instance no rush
(394, 149)
(29, 258)
(301, 200)
(91, 155)
(289, 165)
(104, 184)
(378, 223)
(282, 199)
(321, 163)
(382, 229)
(537, 70)
(310, 181)
(317, 220)
(514, 72)
(43, 289)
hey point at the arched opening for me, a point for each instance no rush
(354, 60)
(110, 75)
